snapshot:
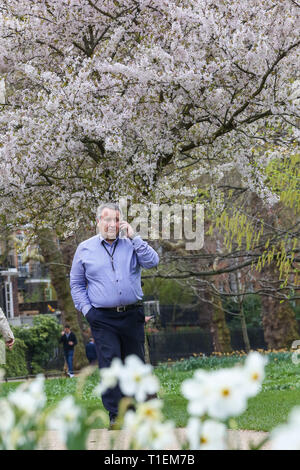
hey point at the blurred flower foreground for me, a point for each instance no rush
(214, 399)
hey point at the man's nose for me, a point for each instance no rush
(112, 223)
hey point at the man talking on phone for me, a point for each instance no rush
(106, 287)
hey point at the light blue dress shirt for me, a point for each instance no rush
(95, 283)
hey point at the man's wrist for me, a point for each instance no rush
(134, 235)
(137, 241)
(86, 308)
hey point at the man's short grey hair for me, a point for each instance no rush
(108, 205)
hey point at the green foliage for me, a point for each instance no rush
(167, 291)
(283, 177)
(40, 293)
(296, 308)
(241, 230)
(237, 228)
(41, 339)
(252, 311)
(36, 295)
(16, 360)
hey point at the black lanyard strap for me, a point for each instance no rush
(111, 255)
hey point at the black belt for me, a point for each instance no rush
(122, 308)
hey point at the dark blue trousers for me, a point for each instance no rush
(69, 359)
(116, 334)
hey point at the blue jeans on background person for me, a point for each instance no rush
(69, 360)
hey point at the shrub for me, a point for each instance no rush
(16, 360)
(41, 340)
(252, 311)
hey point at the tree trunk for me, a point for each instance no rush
(218, 327)
(58, 273)
(244, 329)
(279, 322)
(242, 313)
(279, 319)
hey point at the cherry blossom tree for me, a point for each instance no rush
(106, 98)
(144, 98)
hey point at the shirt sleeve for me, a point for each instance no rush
(146, 255)
(5, 328)
(78, 284)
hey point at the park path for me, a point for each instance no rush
(102, 439)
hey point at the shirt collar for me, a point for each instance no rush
(103, 240)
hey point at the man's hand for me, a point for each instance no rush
(10, 343)
(127, 229)
(148, 318)
(71, 343)
(62, 333)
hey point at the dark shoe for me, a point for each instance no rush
(151, 397)
(113, 422)
(131, 408)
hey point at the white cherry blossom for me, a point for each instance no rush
(136, 86)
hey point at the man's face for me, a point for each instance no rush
(108, 223)
(67, 330)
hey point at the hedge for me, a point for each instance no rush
(41, 340)
(16, 364)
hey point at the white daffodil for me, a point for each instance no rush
(145, 427)
(131, 422)
(254, 371)
(14, 439)
(150, 410)
(156, 435)
(109, 376)
(136, 379)
(228, 395)
(207, 435)
(7, 417)
(65, 418)
(148, 434)
(287, 436)
(198, 391)
(29, 398)
(219, 393)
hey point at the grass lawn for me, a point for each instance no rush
(280, 392)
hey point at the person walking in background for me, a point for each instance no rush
(5, 330)
(69, 341)
(91, 352)
(105, 282)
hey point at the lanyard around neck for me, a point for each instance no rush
(111, 255)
